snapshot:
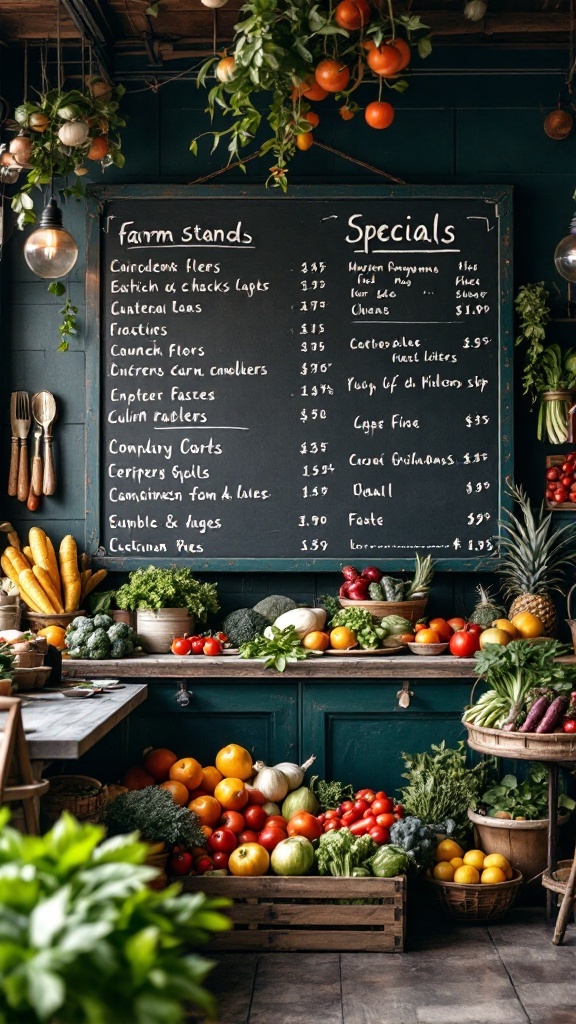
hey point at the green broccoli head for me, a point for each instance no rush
(102, 621)
(98, 645)
(120, 631)
(121, 648)
(82, 622)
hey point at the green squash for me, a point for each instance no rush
(301, 799)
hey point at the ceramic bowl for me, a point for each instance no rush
(428, 648)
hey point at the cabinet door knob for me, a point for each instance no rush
(183, 694)
(404, 695)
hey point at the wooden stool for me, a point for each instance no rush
(17, 782)
(567, 905)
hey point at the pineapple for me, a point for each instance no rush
(533, 558)
(419, 585)
(486, 609)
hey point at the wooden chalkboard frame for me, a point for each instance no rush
(97, 196)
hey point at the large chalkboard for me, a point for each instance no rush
(298, 381)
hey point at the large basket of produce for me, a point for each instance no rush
(554, 746)
(411, 610)
(383, 595)
(81, 795)
(476, 903)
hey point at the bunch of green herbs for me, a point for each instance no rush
(526, 799)
(6, 661)
(330, 793)
(440, 785)
(280, 648)
(154, 588)
(153, 813)
(512, 672)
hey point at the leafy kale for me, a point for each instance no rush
(440, 786)
(416, 838)
(153, 813)
(330, 794)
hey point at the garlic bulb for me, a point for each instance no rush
(73, 133)
(294, 772)
(271, 782)
(475, 10)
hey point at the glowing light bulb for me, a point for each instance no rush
(50, 251)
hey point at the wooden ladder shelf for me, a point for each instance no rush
(17, 783)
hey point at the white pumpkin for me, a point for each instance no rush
(304, 620)
(73, 133)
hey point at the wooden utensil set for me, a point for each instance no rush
(26, 482)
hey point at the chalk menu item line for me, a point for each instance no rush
(358, 447)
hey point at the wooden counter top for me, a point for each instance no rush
(57, 728)
(228, 666)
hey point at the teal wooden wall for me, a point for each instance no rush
(471, 115)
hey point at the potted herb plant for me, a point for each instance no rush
(168, 603)
(85, 938)
(511, 818)
(549, 371)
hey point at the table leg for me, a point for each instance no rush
(551, 897)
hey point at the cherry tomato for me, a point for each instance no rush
(332, 814)
(370, 821)
(204, 864)
(270, 836)
(560, 495)
(222, 638)
(386, 820)
(361, 805)
(569, 725)
(572, 496)
(333, 825)
(197, 645)
(382, 806)
(346, 805)
(350, 817)
(553, 473)
(567, 468)
(180, 863)
(220, 859)
(232, 820)
(361, 794)
(248, 836)
(180, 645)
(321, 818)
(567, 481)
(381, 795)
(379, 835)
(212, 647)
(360, 828)
(223, 839)
(398, 810)
(255, 817)
(276, 819)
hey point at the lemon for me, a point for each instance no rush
(497, 860)
(475, 859)
(467, 875)
(456, 862)
(494, 636)
(444, 871)
(448, 849)
(492, 876)
(507, 626)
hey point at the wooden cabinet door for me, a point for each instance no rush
(358, 730)
(259, 716)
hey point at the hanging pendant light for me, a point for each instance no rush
(50, 251)
(565, 254)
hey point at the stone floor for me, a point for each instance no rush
(508, 973)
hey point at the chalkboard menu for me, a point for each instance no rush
(298, 381)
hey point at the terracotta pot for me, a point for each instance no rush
(523, 843)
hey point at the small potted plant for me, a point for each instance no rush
(89, 939)
(168, 603)
(153, 813)
(549, 371)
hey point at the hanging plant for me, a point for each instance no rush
(58, 132)
(289, 55)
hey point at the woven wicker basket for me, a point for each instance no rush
(476, 903)
(526, 746)
(412, 610)
(80, 795)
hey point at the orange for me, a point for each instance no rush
(492, 876)
(467, 875)
(448, 849)
(474, 858)
(427, 636)
(99, 148)
(210, 778)
(137, 778)
(497, 860)
(194, 793)
(316, 641)
(188, 771)
(158, 763)
(456, 862)
(528, 625)
(304, 141)
(207, 808)
(234, 762)
(178, 792)
(231, 794)
(507, 626)
(444, 871)
(55, 635)
(225, 69)
(342, 638)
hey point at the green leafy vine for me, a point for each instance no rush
(69, 325)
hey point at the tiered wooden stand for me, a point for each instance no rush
(553, 749)
(17, 783)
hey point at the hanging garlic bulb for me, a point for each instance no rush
(214, 3)
(475, 10)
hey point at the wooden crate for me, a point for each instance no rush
(555, 461)
(304, 913)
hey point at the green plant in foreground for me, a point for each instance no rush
(84, 940)
(154, 588)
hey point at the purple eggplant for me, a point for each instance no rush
(535, 715)
(553, 716)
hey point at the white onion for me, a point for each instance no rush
(294, 772)
(271, 782)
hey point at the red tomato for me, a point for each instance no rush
(248, 836)
(180, 645)
(566, 468)
(222, 638)
(180, 863)
(255, 816)
(379, 113)
(321, 818)
(304, 824)
(567, 481)
(560, 495)
(255, 796)
(233, 820)
(456, 623)
(270, 836)
(220, 859)
(361, 794)
(553, 473)
(464, 643)
(384, 60)
(197, 645)
(398, 810)
(474, 627)
(381, 795)
(443, 628)
(352, 14)
(333, 825)
(569, 725)
(361, 805)
(350, 817)
(572, 496)
(276, 819)
(212, 647)
(386, 820)
(346, 805)
(223, 839)
(360, 828)
(332, 814)
(204, 864)
(379, 835)
(382, 806)
(370, 820)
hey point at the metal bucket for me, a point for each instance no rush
(571, 622)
